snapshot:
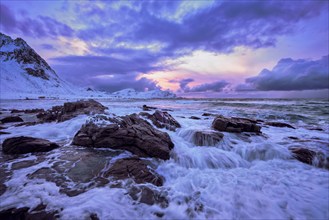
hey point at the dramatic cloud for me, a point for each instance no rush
(42, 26)
(219, 27)
(291, 74)
(113, 83)
(183, 83)
(217, 86)
(106, 73)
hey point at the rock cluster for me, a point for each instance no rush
(130, 133)
(70, 110)
(237, 125)
(162, 120)
(136, 169)
(23, 145)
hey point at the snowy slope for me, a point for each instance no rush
(23, 73)
(153, 94)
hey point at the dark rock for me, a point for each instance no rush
(209, 114)
(23, 213)
(237, 125)
(304, 155)
(162, 120)
(146, 195)
(316, 158)
(293, 138)
(279, 124)
(70, 110)
(136, 169)
(28, 111)
(22, 145)
(11, 119)
(93, 216)
(1, 128)
(246, 119)
(3, 132)
(195, 118)
(207, 138)
(23, 164)
(148, 108)
(130, 133)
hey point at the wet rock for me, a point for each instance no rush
(26, 124)
(1, 128)
(148, 108)
(4, 132)
(236, 125)
(207, 138)
(23, 164)
(23, 145)
(70, 110)
(279, 124)
(195, 118)
(136, 169)
(162, 120)
(209, 114)
(304, 155)
(23, 213)
(11, 119)
(311, 157)
(130, 133)
(28, 111)
(146, 195)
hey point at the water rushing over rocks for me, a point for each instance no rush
(272, 172)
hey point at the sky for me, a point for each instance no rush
(255, 49)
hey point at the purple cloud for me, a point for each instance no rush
(291, 74)
(217, 86)
(42, 26)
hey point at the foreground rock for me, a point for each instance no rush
(310, 157)
(136, 169)
(70, 110)
(207, 138)
(130, 133)
(23, 145)
(238, 125)
(11, 119)
(279, 124)
(162, 120)
(24, 213)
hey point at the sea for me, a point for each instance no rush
(244, 176)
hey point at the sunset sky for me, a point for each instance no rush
(194, 48)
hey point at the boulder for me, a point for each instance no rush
(24, 213)
(11, 119)
(23, 145)
(207, 138)
(311, 157)
(279, 124)
(28, 111)
(195, 118)
(162, 120)
(237, 125)
(136, 169)
(70, 110)
(303, 155)
(130, 133)
(148, 108)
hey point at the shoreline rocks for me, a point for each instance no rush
(162, 120)
(236, 125)
(10, 119)
(70, 110)
(136, 169)
(279, 124)
(130, 133)
(23, 145)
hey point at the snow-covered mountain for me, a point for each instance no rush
(152, 94)
(23, 73)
